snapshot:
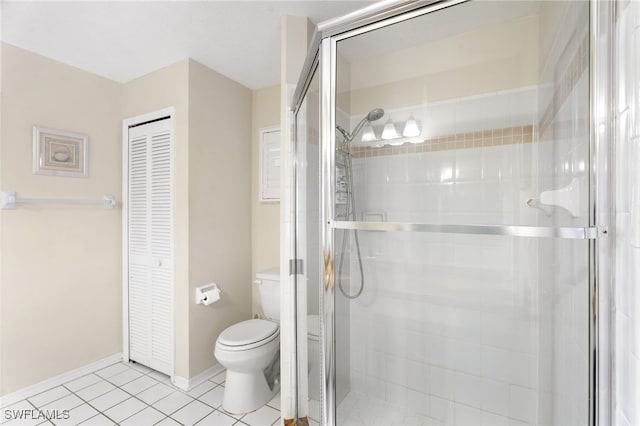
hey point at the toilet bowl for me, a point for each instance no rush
(250, 351)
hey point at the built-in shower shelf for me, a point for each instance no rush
(498, 230)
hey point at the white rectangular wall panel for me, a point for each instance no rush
(270, 164)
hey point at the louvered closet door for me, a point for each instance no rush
(151, 246)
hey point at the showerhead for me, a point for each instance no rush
(373, 115)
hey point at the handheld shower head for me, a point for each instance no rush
(373, 115)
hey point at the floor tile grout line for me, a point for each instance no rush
(28, 402)
(157, 380)
(221, 411)
(94, 373)
(128, 393)
(131, 414)
(70, 393)
(233, 416)
(109, 366)
(180, 423)
(181, 407)
(135, 397)
(141, 375)
(175, 389)
(130, 396)
(95, 415)
(84, 387)
(48, 402)
(205, 416)
(143, 390)
(95, 408)
(165, 418)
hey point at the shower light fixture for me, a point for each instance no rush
(411, 129)
(389, 131)
(368, 134)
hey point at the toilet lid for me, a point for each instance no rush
(248, 332)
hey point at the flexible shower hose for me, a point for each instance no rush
(350, 209)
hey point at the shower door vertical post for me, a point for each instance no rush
(327, 203)
(601, 200)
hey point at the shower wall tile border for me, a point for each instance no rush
(479, 139)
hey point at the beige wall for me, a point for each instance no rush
(60, 267)
(265, 217)
(219, 207)
(169, 87)
(58, 260)
(491, 58)
(212, 223)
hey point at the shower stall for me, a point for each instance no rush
(451, 192)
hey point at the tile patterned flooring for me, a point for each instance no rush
(133, 395)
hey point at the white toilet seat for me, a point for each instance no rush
(247, 335)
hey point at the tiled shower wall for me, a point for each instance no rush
(627, 267)
(447, 325)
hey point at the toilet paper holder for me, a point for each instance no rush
(207, 294)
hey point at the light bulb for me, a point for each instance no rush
(368, 135)
(389, 131)
(411, 129)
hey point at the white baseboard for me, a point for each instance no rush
(44, 385)
(188, 384)
(180, 382)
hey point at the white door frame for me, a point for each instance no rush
(126, 123)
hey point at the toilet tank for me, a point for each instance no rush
(269, 287)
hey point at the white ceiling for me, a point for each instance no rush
(128, 39)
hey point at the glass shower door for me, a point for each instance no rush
(458, 240)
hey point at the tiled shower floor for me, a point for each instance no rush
(131, 394)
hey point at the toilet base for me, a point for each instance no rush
(246, 392)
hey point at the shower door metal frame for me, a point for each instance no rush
(601, 211)
(323, 56)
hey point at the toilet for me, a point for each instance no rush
(250, 351)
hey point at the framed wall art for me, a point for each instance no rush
(60, 153)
